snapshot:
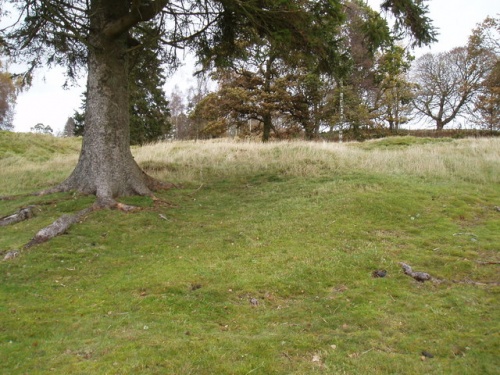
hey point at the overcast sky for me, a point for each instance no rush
(48, 103)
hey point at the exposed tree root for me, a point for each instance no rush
(130, 180)
(52, 190)
(144, 186)
(105, 202)
(21, 215)
(156, 185)
(10, 255)
(58, 227)
(62, 224)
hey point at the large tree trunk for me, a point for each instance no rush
(267, 118)
(106, 166)
(309, 132)
(267, 124)
(439, 124)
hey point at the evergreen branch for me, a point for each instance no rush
(138, 13)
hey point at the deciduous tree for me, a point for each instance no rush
(249, 91)
(42, 129)
(486, 106)
(275, 82)
(448, 82)
(178, 115)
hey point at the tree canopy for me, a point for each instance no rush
(274, 86)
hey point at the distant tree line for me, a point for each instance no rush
(377, 85)
(42, 129)
(275, 92)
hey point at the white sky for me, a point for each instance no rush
(48, 103)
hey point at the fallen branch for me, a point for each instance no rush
(62, 224)
(21, 215)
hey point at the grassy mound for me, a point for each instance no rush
(35, 147)
(262, 263)
(31, 162)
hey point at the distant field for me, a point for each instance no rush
(261, 263)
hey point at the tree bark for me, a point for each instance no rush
(22, 214)
(106, 166)
(439, 125)
(267, 125)
(266, 117)
(309, 129)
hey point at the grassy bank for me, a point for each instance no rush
(261, 263)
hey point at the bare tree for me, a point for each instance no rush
(195, 96)
(448, 82)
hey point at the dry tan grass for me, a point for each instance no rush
(475, 160)
(23, 176)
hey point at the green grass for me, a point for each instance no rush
(300, 227)
(400, 142)
(36, 147)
